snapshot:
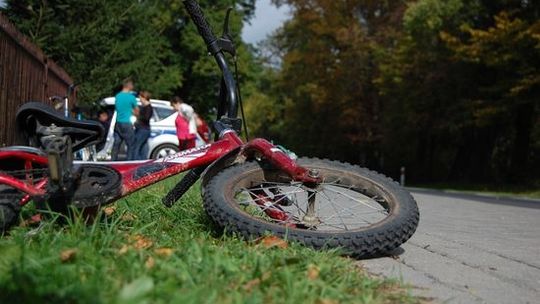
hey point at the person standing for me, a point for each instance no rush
(202, 129)
(126, 106)
(184, 124)
(103, 119)
(142, 126)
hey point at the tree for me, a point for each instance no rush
(101, 42)
(328, 100)
(447, 88)
(201, 77)
(510, 49)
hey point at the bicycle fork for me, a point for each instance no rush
(255, 149)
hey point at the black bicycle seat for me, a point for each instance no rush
(36, 121)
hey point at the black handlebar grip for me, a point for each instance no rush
(203, 27)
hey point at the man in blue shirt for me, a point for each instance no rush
(126, 106)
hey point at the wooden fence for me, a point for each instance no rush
(25, 75)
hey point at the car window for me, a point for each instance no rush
(163, 113)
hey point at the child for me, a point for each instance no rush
(184, 124)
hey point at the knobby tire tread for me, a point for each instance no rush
(375, 241)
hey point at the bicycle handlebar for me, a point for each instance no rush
(198, 18)
(214, 48)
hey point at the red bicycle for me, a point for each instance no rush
(250, 188)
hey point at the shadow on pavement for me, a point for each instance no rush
(392, 254)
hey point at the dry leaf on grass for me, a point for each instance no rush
(123, 250)
(266, 276)
(250, 284)
(68, 255)
(272, 241)
(313, 272)
(141, 242)
(164, 252)
(109, 210)
(150, 262)
(128, 217)
(327, 301)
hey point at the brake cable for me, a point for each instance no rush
(240, 97)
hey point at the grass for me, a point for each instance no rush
(145, 253)
(497, 190)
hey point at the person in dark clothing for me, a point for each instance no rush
(142, 126)
(103, 118)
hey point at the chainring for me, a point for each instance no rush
(97, 185)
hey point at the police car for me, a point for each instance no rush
(162, 142)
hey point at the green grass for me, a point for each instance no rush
(205, 266)
(496, 190)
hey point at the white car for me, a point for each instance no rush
(162, 141)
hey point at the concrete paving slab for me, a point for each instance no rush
(469, 249)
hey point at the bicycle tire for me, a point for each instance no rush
(374, 240)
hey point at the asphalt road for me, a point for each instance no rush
(469, 249)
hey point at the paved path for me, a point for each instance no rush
(470, 249)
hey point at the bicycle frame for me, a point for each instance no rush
(140, 174)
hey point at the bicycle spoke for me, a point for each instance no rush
(263, 198)
(334, 207)
(337, 205)
(266, 207)
(356, 200)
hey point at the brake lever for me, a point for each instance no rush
(226, 28)
(225, 42)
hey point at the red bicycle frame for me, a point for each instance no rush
(139, 174)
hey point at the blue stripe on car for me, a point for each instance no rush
(156, 133)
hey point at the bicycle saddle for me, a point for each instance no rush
(37, 121)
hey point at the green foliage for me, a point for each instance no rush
(118, 260)
(201, 75)
(424, 19)
(327, 101)
(101, 42)
(448, 89)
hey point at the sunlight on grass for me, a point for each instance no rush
(143, 252)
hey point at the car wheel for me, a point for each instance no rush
(164, 151)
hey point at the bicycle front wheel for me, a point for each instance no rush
(358, 210)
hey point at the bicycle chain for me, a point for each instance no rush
(24, 173)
